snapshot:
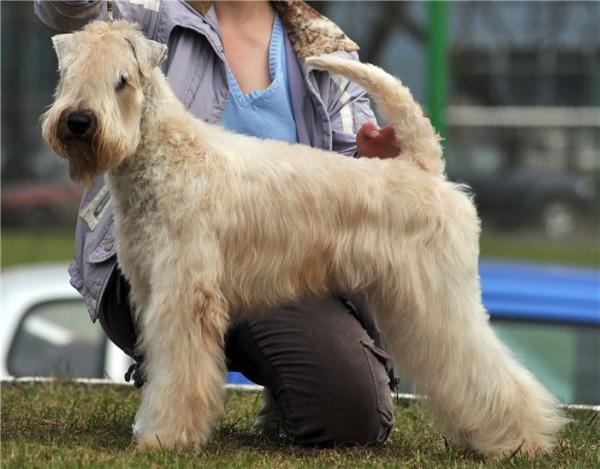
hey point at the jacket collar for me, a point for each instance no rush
(309, 32)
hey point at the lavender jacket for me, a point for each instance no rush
(328, 110)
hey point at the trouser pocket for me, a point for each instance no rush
(377, 360)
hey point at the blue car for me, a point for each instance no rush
(550, 318)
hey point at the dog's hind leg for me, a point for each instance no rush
(438, 332)
(182, 333)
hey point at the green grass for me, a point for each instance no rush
(27, 247)
(580, 251)
(64, 424)
(24, 247)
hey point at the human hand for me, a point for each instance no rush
(373, 142)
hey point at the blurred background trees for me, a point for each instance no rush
(522, 112)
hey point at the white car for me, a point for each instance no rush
(46, 330)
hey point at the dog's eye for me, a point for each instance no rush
(122, 83)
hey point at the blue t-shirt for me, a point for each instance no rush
(264, 113)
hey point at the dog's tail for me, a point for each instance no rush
(415, 135)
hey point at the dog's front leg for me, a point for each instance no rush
(181, 338)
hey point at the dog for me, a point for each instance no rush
(214, 227)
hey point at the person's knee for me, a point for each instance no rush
(357, 412)
(324, 371)
(365, 416)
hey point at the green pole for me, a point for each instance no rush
(437, 64)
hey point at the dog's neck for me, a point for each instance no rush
(158, 107)
(160, 104)
(133, 179)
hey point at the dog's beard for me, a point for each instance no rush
(87, 158)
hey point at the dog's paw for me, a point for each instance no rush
(528, 448)
(147, 439)
(149, 442)
(533, 448)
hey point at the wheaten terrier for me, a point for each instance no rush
(213, 227)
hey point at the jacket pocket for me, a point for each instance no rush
(105, 250)
(103, 247)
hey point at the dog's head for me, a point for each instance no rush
(95, 119)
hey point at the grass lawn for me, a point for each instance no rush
(64, 424)
(580, 251)
(24, 247)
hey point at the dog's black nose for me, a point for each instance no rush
(81, 123)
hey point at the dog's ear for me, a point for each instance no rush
(62, 44)
(148, 53)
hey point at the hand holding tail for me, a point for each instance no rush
(374, 142)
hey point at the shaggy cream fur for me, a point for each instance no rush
(213, 227)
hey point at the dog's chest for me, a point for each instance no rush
(134, 188)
